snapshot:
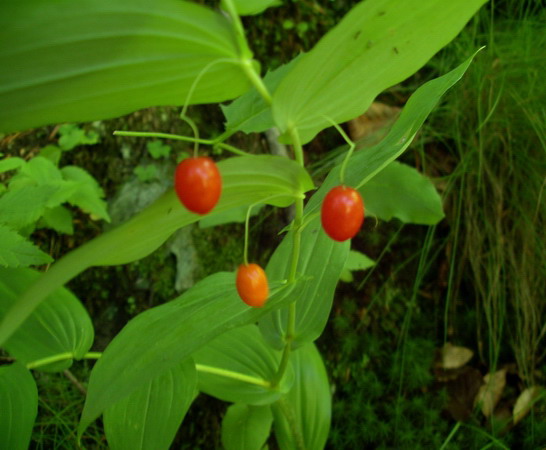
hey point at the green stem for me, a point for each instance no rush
(349, 153)
(245, 248)
(195, 130)
(237, 28)
(245, 52)
(296, 246)
(451, 435)
(233, 375)
(256, 80)
(216, 142)
(296, 145)
(151, 134)
(232, 149)
(60, 357)
(288, 339)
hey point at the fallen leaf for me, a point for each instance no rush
(378, 117)
(491, 391)
(462, 390)
(454, 356)
(524, 403)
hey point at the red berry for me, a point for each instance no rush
(342, 213)
(252, 285)
(198, 184)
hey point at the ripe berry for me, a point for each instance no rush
(342, 213)
(252, 285)
(198, 184)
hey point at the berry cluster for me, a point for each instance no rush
(198, 184)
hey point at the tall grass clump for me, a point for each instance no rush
(492, 133)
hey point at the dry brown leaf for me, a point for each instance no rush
(491, 391)
(524, 403)
(462, 390)
(454, 357)
(377, 117)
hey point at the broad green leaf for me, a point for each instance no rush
(95, 59)
(72, 136)
(160, 338)
(24, 206)
(12, 163)
(246, 427)
(18, 251)
(327, 261)
(321, 261)
(246, 180)
(41, 171)
(88, 194)
(252, 7)
(60, 325)
(377, 44)
(401, 191)
(241, 350)
(250, 113)
(355, 261)
(150, 417)
(302, 417)
(58, 219)
(18, 406)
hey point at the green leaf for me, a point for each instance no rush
(19, 400)
(97, 59)
(250, 113)
(302, 417)
(321, 261)
(246, 180)
(244, 351)
(355, 261)
(88, 194)
(252, 7)
(12, 163)
(59, 325)
(157, 149)
(18, 251)
(377, 44)
(177, 329)
(72, 136)
(150, 417)
(58, 219)
(52, 153)
(325, 263)
(246, 427)
(401, 191)
(21, 207)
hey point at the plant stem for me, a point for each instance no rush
(245, 52)
(237, 28)
(233, 375)
(256, 80)
(296, 245)
(151, 134)
(216, 142)
(245, 248)
(60, 357)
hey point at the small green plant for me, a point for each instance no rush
(263, 360)
(35, 195)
